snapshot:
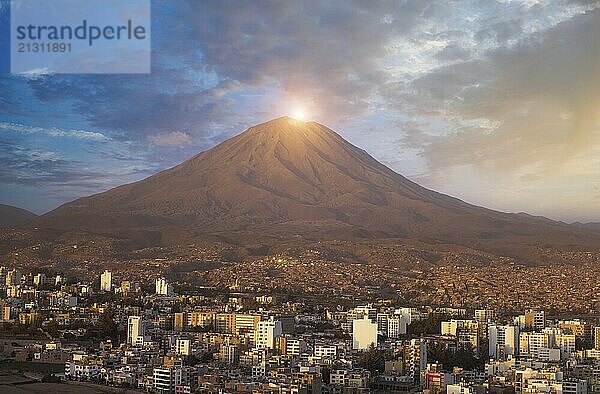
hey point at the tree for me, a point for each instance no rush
(52, 328)
(325, 375)
(107, 328)
(373, 360)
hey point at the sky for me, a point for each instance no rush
(496, 102)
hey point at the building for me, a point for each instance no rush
(266, 333)
(135, 330)
(290, 346)
(39, 280)
(485, 315)
(535, 319)
(164, 379)
(6, 312)
(396, 326)
(503, 341)
(364, 333)
(415, 358)
(183, 347)
(361, 312)
(163, 287)
(322, 351)
(106, 281)
(81, 369)
(229, 354)
(531, 343)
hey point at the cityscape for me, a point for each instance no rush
(300, 197)
(115, 334)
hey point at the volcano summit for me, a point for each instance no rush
(288, 179)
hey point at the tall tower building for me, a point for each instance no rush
(364, 333)
(106, 281)
(503, 341)
(266, 333)
(163, 287)
(135, 330)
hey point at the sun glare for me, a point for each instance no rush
(299, 114)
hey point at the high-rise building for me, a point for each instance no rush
(363, 311)
(6, 313)
(166, 379)
(290, 346)
(503, 341)
(596, 337)
(485, 315)
(323, 350)
(13, 277)
(411, 314)
(229, 354)
(163, 287)
(106, 281)
(382, 323)
(364, 333)
(535, 319)
(135, 330)
(396, 326)
(39, 279)
(183, 346)
(582, 329)
(531, 343)
(266, 333)
(415, 358)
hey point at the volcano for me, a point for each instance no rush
(289, 179)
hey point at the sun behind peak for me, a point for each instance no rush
(299, 113)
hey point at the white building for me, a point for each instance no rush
(293, 346)
(322, 351)
(503, 341)
(364, 333)
(183, 347)
(396, 326)
(485, 315)
(163, 287)
(39, 280)
(266, 332)
(106, 281)
(81, 370)
(164, 379)
(459, 388)
(363, 311)
(410, 314)
(135, 330)
(566, 344)
(530, 343)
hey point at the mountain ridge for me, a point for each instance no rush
(11, 216)
(287, 178)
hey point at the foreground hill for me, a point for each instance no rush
(287, 179)
(13, 216)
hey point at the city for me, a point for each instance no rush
(113, 333)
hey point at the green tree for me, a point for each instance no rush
(107, 328)
(373, 360)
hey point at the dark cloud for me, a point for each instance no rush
(328, 52)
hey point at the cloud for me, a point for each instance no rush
(326, 53)
(518, 106)
(469, 90)
(174, 138)
(53, 132)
